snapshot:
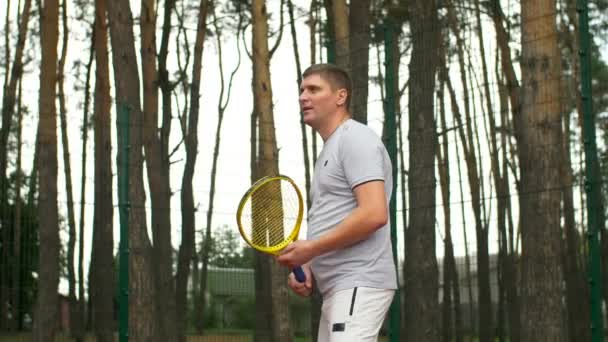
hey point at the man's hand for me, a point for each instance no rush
(303, 289)
(297, 253)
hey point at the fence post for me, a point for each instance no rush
(122, 162)
(592, 184)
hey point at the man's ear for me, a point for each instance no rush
(342, 95)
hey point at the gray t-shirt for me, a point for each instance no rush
(352, 155)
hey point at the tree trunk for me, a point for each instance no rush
(312, 30)
(315, 297)
(476, 189)
(502, 200)
(7, 42)
(187, 248)
(540, 163)
(102, 256)
(221, 108)
(420, 308)
(263, 308)
(484, 315)
(162, 244)
(313, 134)
(511, 90)
(30, 233)
(267, 164)
(67, 168)
(45, 318)
(296, 53)
(16, 289)
(157, 167)
(483, 298)
(467, 260)
(5, 266)
(359, 38)
(447, 326)
(8, 108)
(337, 11)
(83, 180)
(10, 91)
(507, 256)
(485, 303)
(577, 292)
(396, 56)
(30, 241)
(142, 294)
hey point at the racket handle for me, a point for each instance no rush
(298, 272)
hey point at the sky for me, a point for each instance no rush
(233, 177)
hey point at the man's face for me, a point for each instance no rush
(318, 100)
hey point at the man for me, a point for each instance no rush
(348, 247)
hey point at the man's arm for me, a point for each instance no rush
(370, 215)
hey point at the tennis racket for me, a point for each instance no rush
(270, 214)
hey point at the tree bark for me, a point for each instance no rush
(476, 188)
(447, 326)
(359, 39)
(577, 291)
(509, 89)
(5, 265)
(142, 294)
(486, 328)
(103, 272)
(16, 286)
(45, 318)
(187, 247)
(315, 297)
(296, 53)
(540, 139)
(7, 42)
(8, 108)
(67, 169)
(421, 306)
(267, 164)
(157, 167)
(10, 91)
(83, 181)
(337, 17)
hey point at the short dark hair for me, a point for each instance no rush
(337, 77)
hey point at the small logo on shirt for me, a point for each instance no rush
(325, 164)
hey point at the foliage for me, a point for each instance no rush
(598, 21)
(600, 106)
(227, 249)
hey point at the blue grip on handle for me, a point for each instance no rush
(298, 272)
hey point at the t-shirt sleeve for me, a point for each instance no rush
(362, 158)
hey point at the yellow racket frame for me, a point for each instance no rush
(274, 250)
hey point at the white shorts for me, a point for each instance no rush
(354, 315)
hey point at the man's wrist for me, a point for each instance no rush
(317, 247)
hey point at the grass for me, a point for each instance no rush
(26, 337)
(232, 336)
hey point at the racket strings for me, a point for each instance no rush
(270, 214)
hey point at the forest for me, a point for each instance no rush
(130, 129)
